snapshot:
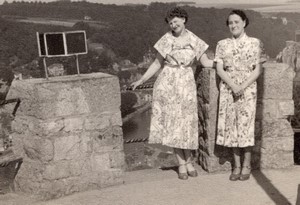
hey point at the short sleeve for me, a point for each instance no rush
(220, 52)
(260, 55)
(200, 48)
(164, 45)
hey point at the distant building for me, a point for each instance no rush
(148, 97)
(284, 21)
(87, 18)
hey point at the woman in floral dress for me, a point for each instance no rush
(174, 121)
(238, 65)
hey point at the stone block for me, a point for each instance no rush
(107, 178)
(68, 132)
(100, 162)
(266, 109)
(274, 129)
(116, 159)
(106, 141)
(274, 109)
(57, 170)
(67, 95)
(50, 126)
(30, 171)
(116, 119)
(277, 160)
(66, 148)
(273, 145)
(276, 82)
(117, 132)
(85, 146)
(73, 124)
(97, 122)
(38, 149)
(285, 109)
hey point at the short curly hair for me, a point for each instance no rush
(176, 12)
(241, 14)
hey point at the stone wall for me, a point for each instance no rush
(273, 132)
(68, 131)
(291, 56)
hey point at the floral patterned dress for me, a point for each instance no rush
(174, 120)
(236, 117)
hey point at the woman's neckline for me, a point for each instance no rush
(182, 35)
(241, 37)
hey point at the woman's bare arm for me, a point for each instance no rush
(153, 68)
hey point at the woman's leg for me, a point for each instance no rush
(189, 160)
(237, 160)
(182, 171)
(247, 160)
(235, 175)
(181, 160)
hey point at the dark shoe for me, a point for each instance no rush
(184, 175)
(245, 177)
(234, 176)
(193, 173)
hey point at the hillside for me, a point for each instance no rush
(126, 32)
(139, 27)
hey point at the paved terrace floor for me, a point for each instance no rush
(161, 187)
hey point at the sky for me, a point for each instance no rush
(197, 1)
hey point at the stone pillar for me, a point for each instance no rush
(211, 157)
(274, 134)
(68, 132)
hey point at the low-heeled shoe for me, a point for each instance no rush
(183, 176)
(193, 173)
(234, 177)
(244, 177)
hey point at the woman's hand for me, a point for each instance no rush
(136, 83)
(237, 89)
(154, 67)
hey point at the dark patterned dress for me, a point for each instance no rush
(174, 120)
(236, 117)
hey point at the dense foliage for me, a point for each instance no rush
(131, 31)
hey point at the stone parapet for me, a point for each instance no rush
(68, 132)
(273, 133)
(211, 156)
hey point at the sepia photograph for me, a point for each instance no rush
(149, 102)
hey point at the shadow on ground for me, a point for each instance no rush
(269, 188)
